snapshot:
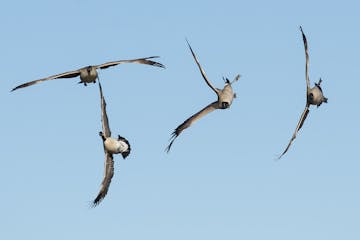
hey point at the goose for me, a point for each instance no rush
(314, 95)
(89, 74)
(111, 146)
(224, 100)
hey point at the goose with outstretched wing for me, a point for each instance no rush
(111, 146)
(225, 97)
(89, 74)
(314, 95)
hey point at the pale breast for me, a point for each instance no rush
(317, 96)
(114, 146)
(226, 95)
(88, 76)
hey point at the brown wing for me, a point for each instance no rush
(104, 117)
(202, 71)
(298, 127)
(307, 60)
(139, 60)
(69, 74)
(187, 123)
(108, 174)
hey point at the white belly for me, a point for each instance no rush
(227, 95)
(317, 96)
(88, 77)
(114, 146)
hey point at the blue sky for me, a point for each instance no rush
(220, 180)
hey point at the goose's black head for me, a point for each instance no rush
(127, 152)
(88, 69)
(225, 105)
(310, 97)
(226, 80)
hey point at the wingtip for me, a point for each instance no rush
(167, 149)
(16, 88)
(282, 154)
(153, 57)
(157, 64)
(278, 158)
(302, 33)
(97, 201)
(172, 139)
(187, 41)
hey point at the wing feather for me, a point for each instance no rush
(307, 60)
(298, 127)
(69, 74)
(108, 174)
(138, 60)
(202, 71)
(104, 117)
(188, 122)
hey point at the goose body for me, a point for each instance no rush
(316, 96)
(115, 146)
(226, 96)
(88, 75)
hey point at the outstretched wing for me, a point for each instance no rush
(139, 60)
(108, 174)
(202, 70)
(187, 123)
(69, 74)
(307, 60)
(298, 127)
(104, 117)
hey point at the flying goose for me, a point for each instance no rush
(89, 74)
(111, 146)
(314, 95)
(225, 97)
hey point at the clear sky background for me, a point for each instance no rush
(220, 180)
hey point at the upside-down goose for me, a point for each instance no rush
(111, 146)
(225, 97)
(314, 95)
